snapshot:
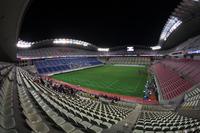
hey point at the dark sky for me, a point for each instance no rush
(104, 23)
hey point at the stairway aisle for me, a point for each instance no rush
(126, 125)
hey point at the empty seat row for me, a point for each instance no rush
(130, 60)
(192, 99)
(69, 113)
(62, 64)
(170, 83)
(53, 52)
(7, 119)
(87, 104)
(186, 67)
(34, 118)
(165, 121)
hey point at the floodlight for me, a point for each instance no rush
(70, 41)
(23, 44)
(103, 49)
(172, 24)
(130, 49)
(156, 47)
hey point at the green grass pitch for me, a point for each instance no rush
(124, 80)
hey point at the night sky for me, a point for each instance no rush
(105, 23)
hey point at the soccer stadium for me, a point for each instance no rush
(69, 85)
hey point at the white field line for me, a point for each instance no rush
(129, 65)
(113, 83)
(138, 84)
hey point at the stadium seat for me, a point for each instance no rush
(67, 127)
(171, 84)
(49, 66)
(38, 127)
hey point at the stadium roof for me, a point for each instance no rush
(140, 22)
(183, 24)
(66, 42)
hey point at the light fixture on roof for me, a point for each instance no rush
(172, 24)
(59, 41)
(156, 47)
(130, 49)
(23, 44)
(103, 49)
(70, 41)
